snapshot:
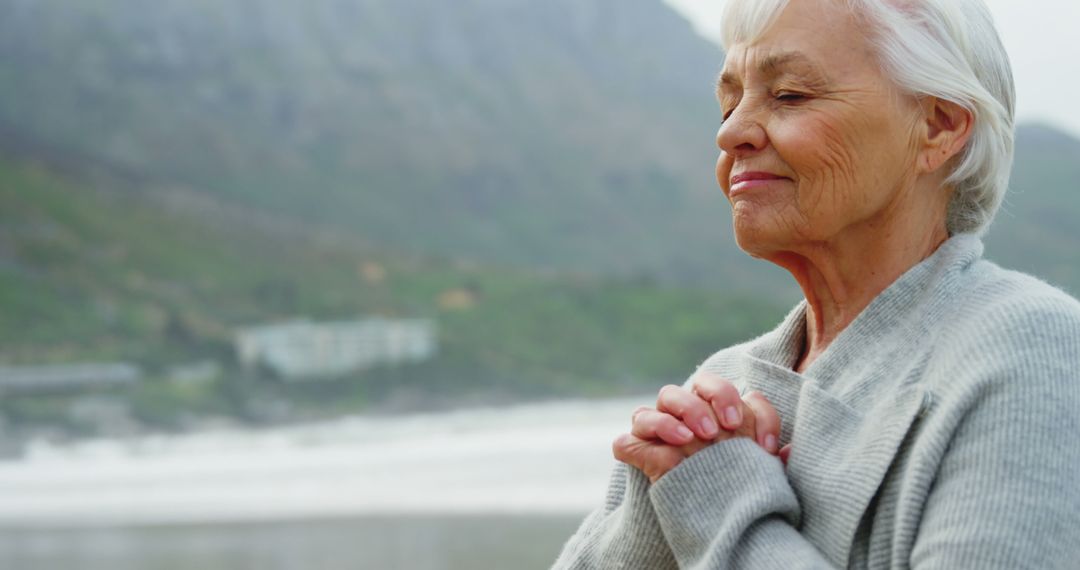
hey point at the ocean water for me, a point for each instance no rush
(390, 542)
(483, 488)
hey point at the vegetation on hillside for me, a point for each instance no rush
(97, 271)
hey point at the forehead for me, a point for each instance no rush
(770, 63)
(807, 37)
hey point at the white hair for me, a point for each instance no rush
(947, 49)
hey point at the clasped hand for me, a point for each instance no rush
(686, 421)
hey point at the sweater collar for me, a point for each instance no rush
(905, 312)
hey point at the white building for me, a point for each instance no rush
(302, 349)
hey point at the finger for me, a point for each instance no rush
(766, 422)
(653, 459)
(655, 425)
(694, 412)
(723, 396)
(637, 411)
(697, 445)
(785, 452)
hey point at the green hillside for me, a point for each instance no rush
(96, 269)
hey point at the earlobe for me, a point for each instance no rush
(948, 128)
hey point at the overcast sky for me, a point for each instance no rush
(1041, 36)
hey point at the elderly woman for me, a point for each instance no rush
(919, 408)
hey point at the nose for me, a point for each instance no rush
(742, 132)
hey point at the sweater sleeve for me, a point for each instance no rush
(623, 533)
(1005, 493)
(730, 506)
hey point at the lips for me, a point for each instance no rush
(747, 180)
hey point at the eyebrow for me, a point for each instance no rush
(772, 65)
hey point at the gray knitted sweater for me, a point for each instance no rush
(939, 430)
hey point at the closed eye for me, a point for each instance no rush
(790, 97)
(725, 113)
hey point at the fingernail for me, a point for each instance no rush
(685, 432)
(770, 443)
(708, 427)
(733, 416)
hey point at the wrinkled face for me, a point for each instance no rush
(816, 140)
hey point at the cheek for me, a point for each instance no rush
(823, 152)
(825, 157)
(723, 172)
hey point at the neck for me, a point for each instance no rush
(841, 276)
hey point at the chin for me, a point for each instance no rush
(752, 229)
(752, 241)
(767, 241)
(763, 230)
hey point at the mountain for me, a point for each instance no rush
(565, 134)
(561, 134)
(1036, 230)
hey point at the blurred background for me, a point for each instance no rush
(374, 283)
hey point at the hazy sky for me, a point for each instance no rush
(1041, 36)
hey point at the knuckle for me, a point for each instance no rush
(621, 455)
(723, 402)
(761, 402)
(671, 399)
(704, 381)
(669, 423)
(689, 405)
(762, 406)
(668, 395)
(728, 388)
(720, 388)
(643, 428)
(665, 426)
(754, 400)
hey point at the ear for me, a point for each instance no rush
(947, 130)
